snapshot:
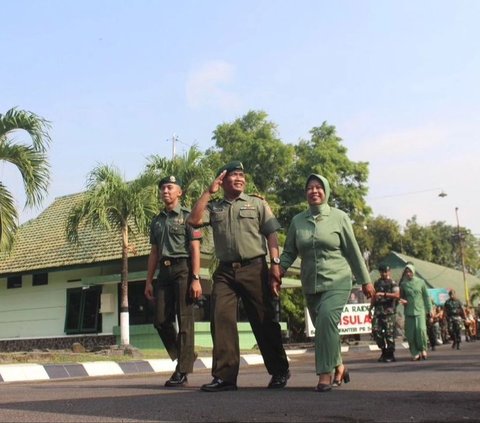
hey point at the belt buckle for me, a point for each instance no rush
(236, 265)
(167, 263)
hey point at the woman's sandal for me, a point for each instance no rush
(344, 378)
(323, 387)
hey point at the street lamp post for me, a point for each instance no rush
(460, 243)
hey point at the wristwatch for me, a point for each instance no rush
(196, 277)
(276, 260)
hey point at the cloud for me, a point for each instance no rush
(208, 86)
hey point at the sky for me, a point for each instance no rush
(118, 80)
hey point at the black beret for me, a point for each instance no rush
(170, 180)
(384, 268)
(230, 167)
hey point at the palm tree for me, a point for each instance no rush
(30, 160)
(474, 293)
(191, 168)
(111, 203)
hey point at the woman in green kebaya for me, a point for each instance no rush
(322, 236)
(414, 296)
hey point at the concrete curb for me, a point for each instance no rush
(42, 372)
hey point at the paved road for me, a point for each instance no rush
(445, 388)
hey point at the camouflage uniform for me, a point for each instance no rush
(454, 312)
(384, 318)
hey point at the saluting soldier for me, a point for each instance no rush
(244, 230)
(384, 303)
(175, 251)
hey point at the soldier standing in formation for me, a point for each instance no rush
(384, 303)
(175, 250)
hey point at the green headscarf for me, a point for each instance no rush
(317, 209)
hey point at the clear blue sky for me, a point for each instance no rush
(398, 79)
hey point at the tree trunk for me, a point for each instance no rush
(124, 315)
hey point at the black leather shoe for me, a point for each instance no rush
(177, 379)
(279, 381)
(218, 385)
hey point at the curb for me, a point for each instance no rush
(41, 372)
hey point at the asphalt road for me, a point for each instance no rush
(444, 388)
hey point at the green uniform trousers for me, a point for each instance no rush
(325, 310)
(251, 284)
(173, 300)
(416, 333)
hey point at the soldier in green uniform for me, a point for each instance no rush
(175, 251)
(244, 230)
(454, 313)
(384, 303)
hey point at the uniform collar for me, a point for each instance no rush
(324, 211)
(175, 210)
(242, 197)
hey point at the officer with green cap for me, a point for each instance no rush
(244, 231)
(175, 251)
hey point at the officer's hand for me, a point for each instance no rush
(217, 183)
(275, 280)
(368, 290)
(149, 292)
(195, 289)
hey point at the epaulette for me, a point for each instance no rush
(257, 195)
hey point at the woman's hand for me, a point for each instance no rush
(368, 290)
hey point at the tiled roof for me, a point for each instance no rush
(41, 243)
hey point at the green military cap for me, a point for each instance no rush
(230, 167)
(383, 268)
(170, 180)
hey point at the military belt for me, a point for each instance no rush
(168, 261)
(242, 263)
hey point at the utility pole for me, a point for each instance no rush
(174, 140)
(460, 243)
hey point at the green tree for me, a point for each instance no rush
(324, 153)
(254, 141)
(113, 204)
(379, 237)
(30, 160)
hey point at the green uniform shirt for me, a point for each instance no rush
(240, 227)
(453, 307)
(416, 294)
(328, 249)
(170, 233)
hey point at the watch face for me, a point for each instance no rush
(276, 260)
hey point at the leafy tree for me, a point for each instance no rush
(112, 204)
(378, 237)
(324, 153)
(254, 141)
(30, 160)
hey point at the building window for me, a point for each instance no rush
(39, 279)
(83, 306)
(139, 308)
(14, 282)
